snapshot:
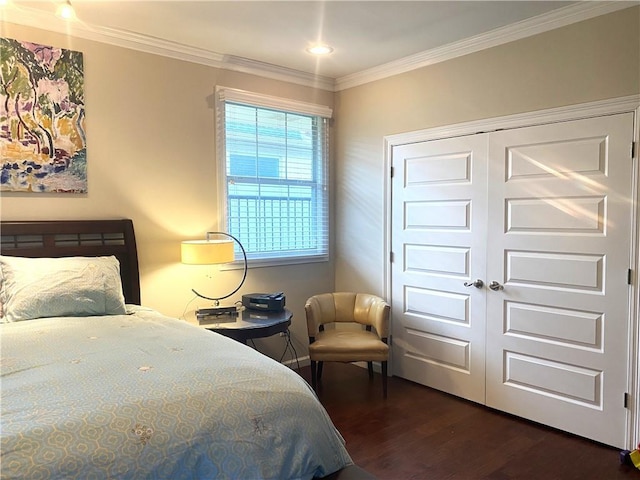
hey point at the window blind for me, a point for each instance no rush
(276, 176)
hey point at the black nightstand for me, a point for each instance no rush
(249, 324)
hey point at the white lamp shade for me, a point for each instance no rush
(205, 252)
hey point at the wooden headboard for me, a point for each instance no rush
(83, 238)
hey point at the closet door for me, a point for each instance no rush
(439, 245)
(559, 245)
(542, 215)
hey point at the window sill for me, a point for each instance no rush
(276, 262)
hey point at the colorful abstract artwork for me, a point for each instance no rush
(42, 136)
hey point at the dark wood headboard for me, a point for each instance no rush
(82, 238)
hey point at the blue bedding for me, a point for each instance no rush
(143, 396)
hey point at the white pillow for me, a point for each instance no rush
(57, 287)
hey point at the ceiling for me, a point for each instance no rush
(364, 34)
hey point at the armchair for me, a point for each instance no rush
(366, 344)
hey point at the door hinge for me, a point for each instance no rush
(390, 340)
(633, 150)
(391, 257)
(393, 171)
(629, 277)
(626, 400)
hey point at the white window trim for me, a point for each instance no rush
(226, 94)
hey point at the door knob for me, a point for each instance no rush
(495, 286)
(478, 284)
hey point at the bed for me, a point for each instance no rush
(94, 385)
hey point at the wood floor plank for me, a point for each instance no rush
(418, 433)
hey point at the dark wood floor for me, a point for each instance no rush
(419, 433)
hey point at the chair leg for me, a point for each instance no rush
(320, 370)
(313, 375)
(384, 379)
(370, 368)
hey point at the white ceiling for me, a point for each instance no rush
(364, 34)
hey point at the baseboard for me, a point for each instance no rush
(298, 361)
(376, 366)
(305, 361)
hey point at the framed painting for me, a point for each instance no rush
(42, 135)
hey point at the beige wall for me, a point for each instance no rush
(151, 146)
(591, 60)
(151, 158)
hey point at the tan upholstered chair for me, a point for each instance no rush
(366, 344)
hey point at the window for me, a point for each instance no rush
(275, 158)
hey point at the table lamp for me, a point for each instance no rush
(218, 247)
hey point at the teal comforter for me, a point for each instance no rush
(143, 396)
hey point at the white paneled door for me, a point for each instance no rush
(542, 216)
(439, 238)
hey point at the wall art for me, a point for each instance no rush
(42, 135)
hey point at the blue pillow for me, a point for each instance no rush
(60, 287)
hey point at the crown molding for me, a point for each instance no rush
(31, 17)
(35, 18)
(516, 31)
(240, 64)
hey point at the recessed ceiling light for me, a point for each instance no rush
(320, 49)
(65, 10)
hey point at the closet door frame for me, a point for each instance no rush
(541, 117)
